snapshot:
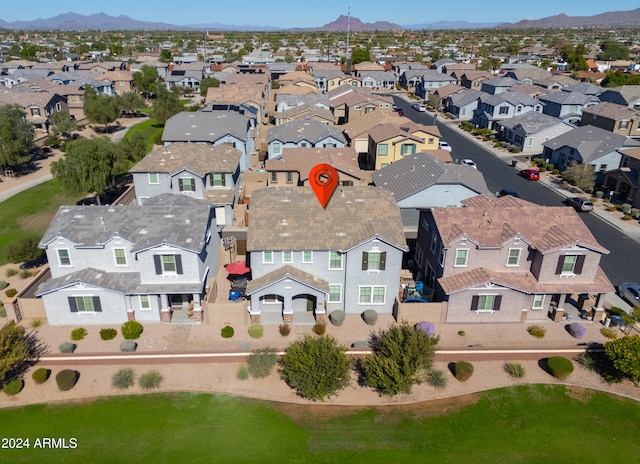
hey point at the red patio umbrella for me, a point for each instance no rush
(238, 267)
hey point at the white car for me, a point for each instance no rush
(445, 146)
(419, 107)
(630, 291)
(468, 162)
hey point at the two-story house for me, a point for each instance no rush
(495, 260)
(121, 81)
(303, 133)
(505, 105)
(623, 184)
(627, 95)
(308, 261)
(110, 264)
(37, 105)
(530, 130)
(567, 105)
(431, 80)
(464, 104)
(497, 85)
(391, 142)
(615, 118)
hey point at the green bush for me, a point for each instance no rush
(611, 209)
(437, 379)
(24, 249)
(131, 330)
(284, 329)
(537, 331)
(108, 334)
(337, 317)
(36, 323)
(588, 361)
(3, 311)
(41, 375)
(123, 379)
(610, 333)
(3, 284)
(463, 370)
(261, 362)
(150, 381)
(515, 370)
(319, 328)
(227, 331)
(25, 274)
(370, 316)
(555, 172)
(549, 166)
(635, 212)
(128, 346)
(560, 367)
(599, 194)
(626, 208)
(538, 161)
(67, 347)
(242, 373)
(78, 334)
(11, 292)
(461, 333)
(256, 330)
(627, 217)
(14, 387)
(67, 379)
(11, 272)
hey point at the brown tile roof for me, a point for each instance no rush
(287, 272)
(198, 158)
(368, 121)
(297, 76)
(442, 155)
(610, 111)
(387, 131)
(632, 152)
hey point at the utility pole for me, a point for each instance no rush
(348, 58)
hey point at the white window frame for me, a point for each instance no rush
(310, 260)
(141, 200)
(341, 255)
(372, 289)
(181, 186)
(339, 300)
(377, 253)
(151, 178)
(538, 304)
(266, 254)
(144, 302)
(276, 148)
(68, 257)
(84, 298)
(466, 257)
(165, 271)
(485, 296)
(217, 180)
(573, 265)
(290, 257)
(115, 257)
(519, 250)
(441, 255)
(386, 149)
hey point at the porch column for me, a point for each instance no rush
(254, 313)
(287, 310)
(165, 310)
(197, 308)
(127, 305)
(598, 310)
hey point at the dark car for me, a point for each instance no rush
(505, 192)
(530, 174)
(580, 203)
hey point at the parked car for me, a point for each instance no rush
(580, 203)
(419, 107)
(631, 292)
(505, 192)
(530, 174)
(446, 146)
(468, 162)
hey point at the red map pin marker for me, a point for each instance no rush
(324, 180)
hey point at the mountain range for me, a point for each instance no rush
(102, 21)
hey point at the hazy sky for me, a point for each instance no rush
(301, 13)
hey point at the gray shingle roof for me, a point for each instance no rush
(500, 82)
(586, 88)
(590, 141)
(515, 98)
(205, 126)
(291, 218)
(287, 272)
(464, 98)
(531, 122)
(569, 98)
(198, 158)
(304, 129)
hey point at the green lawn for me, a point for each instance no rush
(30, 211)
(149, 130)
(526, 424)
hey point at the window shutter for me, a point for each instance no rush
(180, 184)
(383, 260)
(72, 304)
(474, 302)
(496, 302)
(560, 264)
(193, 185)
(223, 179)
(365, 260)
(156, 260)
(178, 264)
(577, 269)
(97, 307)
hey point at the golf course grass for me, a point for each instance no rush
(523, 424)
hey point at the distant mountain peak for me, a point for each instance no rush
(357, 25)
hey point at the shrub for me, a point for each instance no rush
(437, 379)
(319, 328)
(337, 317)
(41, 375)
(242, 373)
(537, 331)
(461, 333)
(256, 330)
(538, 161)
(67, 347)
(555, 172)
(285, 329)
(626, 208)
(611, 208)
(67, 379)
(108, 334)
(463, 370)
(14, 387)
(24, 249)
(586, 360)
(426, 327)
(560, 367)
(25, 274)
(11, 292)
(627, 217)
(549, 166)
(3, 284)
(11, 272)
(599, 194)
(261, 362)
(576, 330)
(227, 331)
(635, 212)
(151, 380)
(515, 370)
(370, 316)
(131, 330)
(36, 323)
(123, 379)
(78, 334)
(3, 311)
(611, 334)
(128, 346)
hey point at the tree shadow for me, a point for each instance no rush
(35, 349)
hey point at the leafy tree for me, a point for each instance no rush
(62, 123)
(24, 249)
(165, 56)
(576, 62)
(100, 109)
(129, 150)
(146, 79)
(16, 135)
(18, 350)
(630, 319)
(624, 354)
(402, 356)
(613, 50)
(86, 167)
(206, 83)
(618, 78)
(582, 175)
(360, 55)
(130, 102)
(316, 367)
(166, 104)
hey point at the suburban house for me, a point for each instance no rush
(38, 106)
(205, 172)
(349, 104)
(215, 128)
(121, 81)
(498, 85)
(303, 133)
(492, 108)
(463, 104)
(323, 76)
(441, 63)
(187, 78)
(306, 111)
(420, 181)
(357, 131)
(627, 95)
(530, 130)
(351, 262)
(409, 78)
(567, 105)
(378, 79)
(494, 260)
(472, 79)
(615, 118)
(111, 264)
(587, 144)
(623, 183)
(391, 142)
(437, 97)
(431, 80)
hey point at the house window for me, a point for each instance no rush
(372, 295)
(570, 265)
(84, 304)
(141, 200)
(335, 293)
(335, 260)
(383, 149)
(274, 177)
(267, 257)
(374, 261)
(271, 299)
(217, 180)
(307, 256)
(485, 303)
(431, 141)
(168, 264)
(384, 165)
(419, 256)
(434, 242)
(441, 256)
(624, 124)
(514, 257)
(504, 110)
(276, 147)
(289, 177)
(538, 301)
(518, 109)
(329, 145)
(63, 257)
(462, 255)
(120, 255)
(153, 178)
(407, 148)
(287, 257)
(304, 144)
(145, 303)
(187, 184)
(603, 168)
(35, 111)
(58, 107)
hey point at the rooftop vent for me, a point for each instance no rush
(143, 231)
